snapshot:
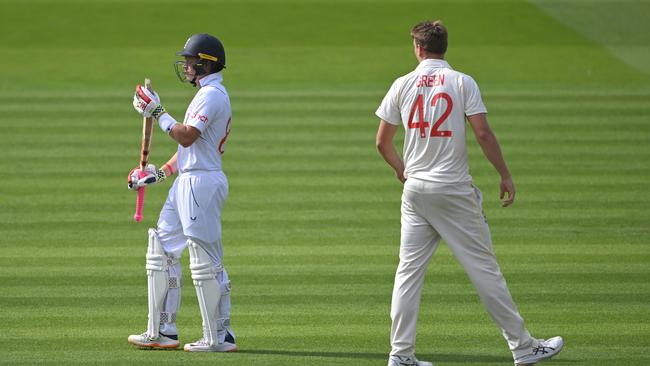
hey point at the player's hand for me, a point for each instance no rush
(137, 179)
(507, 191)
(147, 102)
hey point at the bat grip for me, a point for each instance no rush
(139, 203)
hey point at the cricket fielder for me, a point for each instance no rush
(439, 200)
(191, 216)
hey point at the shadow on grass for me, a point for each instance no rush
(453, 358)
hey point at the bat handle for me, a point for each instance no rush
(139, 203)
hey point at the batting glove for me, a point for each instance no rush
(151, 176)
(147, 102)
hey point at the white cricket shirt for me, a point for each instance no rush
(210, 113)
(431, 103)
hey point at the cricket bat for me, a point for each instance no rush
(147, 127)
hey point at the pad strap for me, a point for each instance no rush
(174, 282)
(167, 318)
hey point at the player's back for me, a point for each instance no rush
(433, 101)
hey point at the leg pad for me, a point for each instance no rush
(208, 290)
(157, 282)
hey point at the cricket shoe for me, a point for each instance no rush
(406, 361)
(204, 346)
(541, 352)
(230, 338)
(162, 341)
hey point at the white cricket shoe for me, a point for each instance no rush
(406, 361)
(162, 341)
(203, 346)
(542, 352)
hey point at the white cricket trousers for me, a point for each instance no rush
(454, 214)
(193, 209)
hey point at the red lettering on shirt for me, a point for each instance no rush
(199, 117)
(430, 80)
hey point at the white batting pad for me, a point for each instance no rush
(208, 289)
(157, 282)
(223, 322)
(173, 299)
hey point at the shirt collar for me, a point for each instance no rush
(211, 79)
(434, 63)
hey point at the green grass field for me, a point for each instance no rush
(311, 226)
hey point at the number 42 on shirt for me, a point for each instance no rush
(418, 107)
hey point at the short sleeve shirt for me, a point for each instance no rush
(431, 103)
(210, 113)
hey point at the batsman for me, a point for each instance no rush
(191, 215)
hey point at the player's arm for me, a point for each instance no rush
(492, 151)
(385, 135)
(183, 134)
(171, 166)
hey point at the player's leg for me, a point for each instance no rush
(417, 244)
(200, 214)
(460, 221)
(164, 278)
(173, 241)
(205, 271)
(157, 264)
(174, 244)
(213, 234)
(225, 332)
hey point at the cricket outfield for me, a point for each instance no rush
(311, 225)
